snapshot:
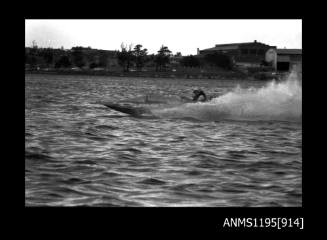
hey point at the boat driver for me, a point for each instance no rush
(199, 95)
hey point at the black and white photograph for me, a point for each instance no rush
(163, 113)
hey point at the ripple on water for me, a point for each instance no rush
(38, 156)
(152, 181)
(87, 162)
(87, 155)
(132, 150)
(106, 128)
(236, 154)
(194, 173)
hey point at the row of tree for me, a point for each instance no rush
(127, 58)
(60, 58)
(139, 57)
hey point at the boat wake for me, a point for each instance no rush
(281, 101)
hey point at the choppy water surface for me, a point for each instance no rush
(242, 148)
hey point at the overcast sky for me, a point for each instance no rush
(183, 36)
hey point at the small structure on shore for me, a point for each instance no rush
(289, 60)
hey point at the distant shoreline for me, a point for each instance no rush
(174, 75)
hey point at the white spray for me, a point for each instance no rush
(275, 101)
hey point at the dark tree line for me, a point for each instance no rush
(60, 58)
(78, 57)
(190, 61)
(46, 57)
(63, 62)
(162, 58)
(127, 58)
(36, 55)
(137, 56)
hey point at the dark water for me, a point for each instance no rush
(79, 153)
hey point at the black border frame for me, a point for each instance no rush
(189, 220)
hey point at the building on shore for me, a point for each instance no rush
(255, 54)
(289, 60)
(248, 54)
